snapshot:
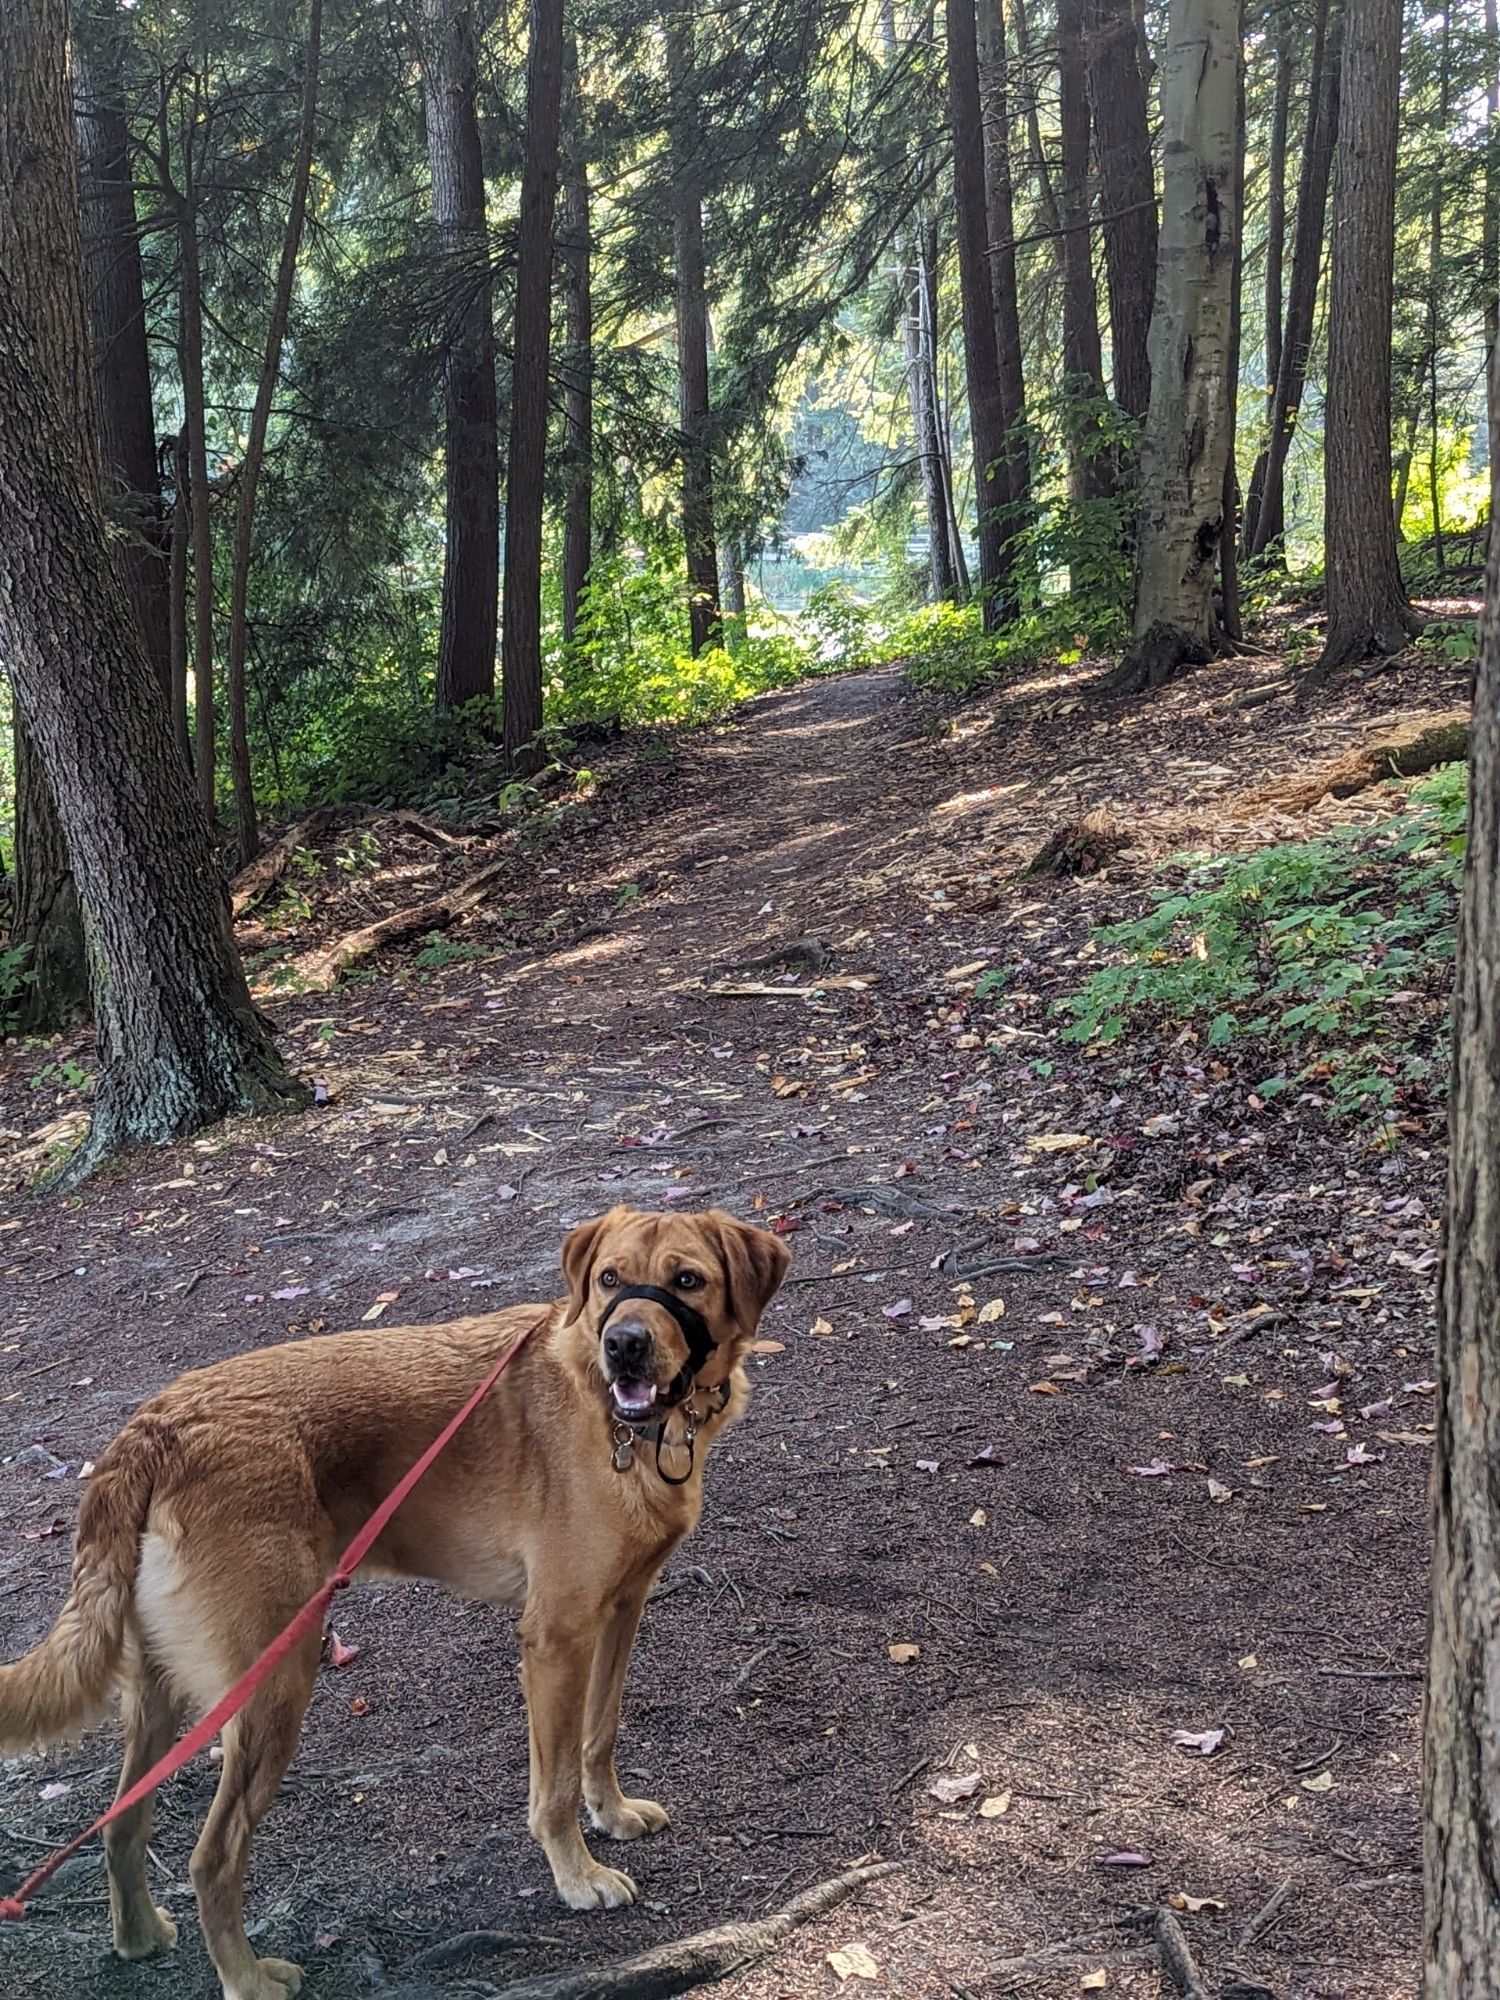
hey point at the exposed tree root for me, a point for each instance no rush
(1172, 1949)
(1157, 657)
(268, 867)
(317, 971)
(1405, 753)
(701, 1959)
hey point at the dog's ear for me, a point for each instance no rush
(755, 1262)
(579, 1248)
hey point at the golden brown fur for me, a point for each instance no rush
(227, 1498)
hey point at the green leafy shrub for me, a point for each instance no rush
(1334, 949)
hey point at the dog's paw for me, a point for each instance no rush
(630, 1819)
(272, 1979)
(599, 1889)
(158, 1933)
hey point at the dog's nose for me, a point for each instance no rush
(627, 1349)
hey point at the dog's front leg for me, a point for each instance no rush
(609, 1809)
(557, 1649)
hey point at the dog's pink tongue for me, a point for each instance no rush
(634, 1398)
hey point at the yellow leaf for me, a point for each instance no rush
(978, 1518)
(1194, 1905)
(840, 1269)
(1323, 1782)
(988, 1314)
(993, 1808)
(1093, 1982)
(1058, 1142)
(903, 1651)
(962, 1340)
(822, 1328)
(854, 1962)
(1248, 1661)
(767, 1347)
(1045, 1389)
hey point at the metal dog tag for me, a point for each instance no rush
(623, 1456)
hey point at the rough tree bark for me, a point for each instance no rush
(1228, 619)
(190, 372)
(526, 461)
(1461, 1741)
(471, 508)
(695, 415)
(1127, 190)
(1090, 475)
(1186, 440)
(246, 819)
(575, 271)
(177, 571)
(179, 1041)
(1367, 608)
(45, 919)
(121, 367)
(999, 203)
(1489, 249)
(981, 354)
(1281, 101)
(1265, 502)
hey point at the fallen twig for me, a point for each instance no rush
(1172, 1949)
(267, 869)
(701, 1959)
(1263, 1919)
(468, 1944)
(1093, 1947)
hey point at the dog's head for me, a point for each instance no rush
(670, 1299)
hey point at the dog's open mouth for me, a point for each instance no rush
(633, 1400)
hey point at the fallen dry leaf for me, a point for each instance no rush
(1093, 1982)
(903, 1651)
(1045, 1389)
(949, 1790)
(767, 1347)
(1219, 1493)
(822, 1329)
(1058, 1142)
(1195, 1905)
(1204, 1742)
(990, 1312)
(995, 1806)
(854, 1962)
(1323, 1782)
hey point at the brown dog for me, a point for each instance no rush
(225, 1501)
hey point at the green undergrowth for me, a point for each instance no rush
(1329, 958)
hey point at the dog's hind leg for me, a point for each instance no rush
(557, 1650)
(150, 1719)
(609, 1809)
(258, 1745)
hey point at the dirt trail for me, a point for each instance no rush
(920, 1468)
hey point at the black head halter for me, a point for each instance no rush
(700, 1345)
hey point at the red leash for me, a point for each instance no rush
(310, 1618)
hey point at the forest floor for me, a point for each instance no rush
(1201, 1275)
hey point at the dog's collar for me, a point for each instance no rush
(700, 1345)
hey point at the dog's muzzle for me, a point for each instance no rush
(635, 1397)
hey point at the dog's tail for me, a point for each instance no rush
(65, 1683)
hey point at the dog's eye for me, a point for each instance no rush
(609, 1279)
(688, 1281)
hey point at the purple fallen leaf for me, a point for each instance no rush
(1202, 1742)
(900, 1310)
(987, 1454)
(1126, 1858)
(902, 1228)
(1381, 1409)
(1357, 1455)
(57, 1790)
(930, 1322)
(1157, 1469)
(320, 1090)
(1152, 1342)
(676, 1193)
(948, 1791)
(291, 1292)
(255, 1298)
(927, 1465)
(1418, 1388)
(465, 1271)
(1334, 1428)
(505, 1192)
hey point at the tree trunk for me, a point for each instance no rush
(1367, 608)
(1046, 192)
(471, 506)
(981, 356)
(1489, 250)
(695, 414)
(1265, 507)
(1089, 470)
(190, 370)
(1276, 209)
(45, 920)
(179, 1041)
(1436, 332)
(1186, 441)
(1461, 1740)
(177, 648)
(246, 819)
(1229, 621)
(121, 368)
(575, 254)
(999, 203)
(1127, 191)
(921, 377)
(526, 461)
